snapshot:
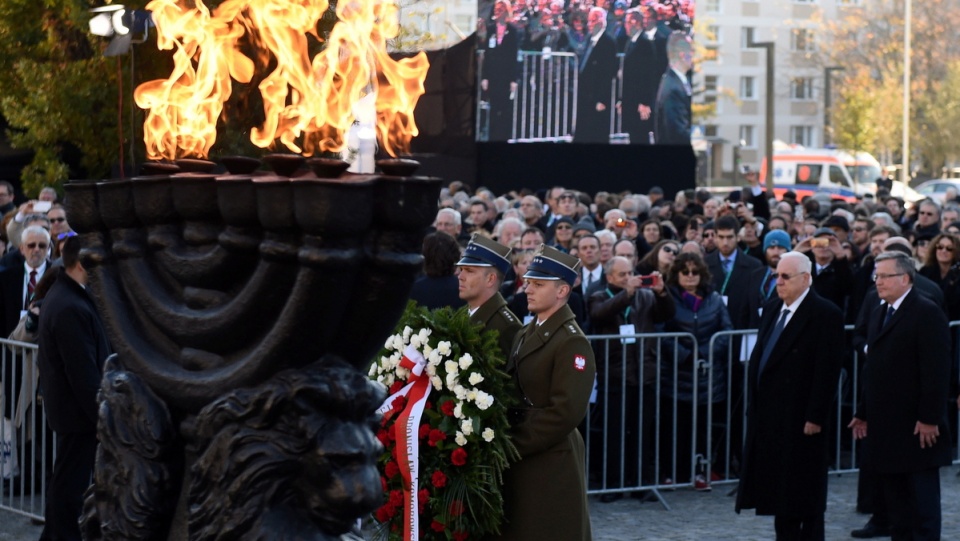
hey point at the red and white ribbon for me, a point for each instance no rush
(406, 428)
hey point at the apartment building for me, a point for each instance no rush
(736, 80)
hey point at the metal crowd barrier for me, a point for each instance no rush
(718, 442)
(24, 436)
(545, 104)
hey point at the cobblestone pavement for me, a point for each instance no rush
(694, 516)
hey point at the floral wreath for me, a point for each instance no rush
(444, 428)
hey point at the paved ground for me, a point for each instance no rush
(695, 516)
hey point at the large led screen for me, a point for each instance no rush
(584, 72)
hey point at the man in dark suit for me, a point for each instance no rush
(731, 269)
(673, 97)
(644, 62)
(480, 273)
(500, 41)
(72, 348)
(903, 407)
(21, 274)
(598, 66)
(792, 379)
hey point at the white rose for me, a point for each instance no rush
(466, 426)
(388, 380)
(475, 378)
(424, 334)
(374, 368)
(426, 349)
(389, 343)
(472, 395)
(451, 367)
(484, 400)
(432, 371)
(487, 434)
(460, 439)
(451, 381)
(407, 331)
(403, 373)
(414, 341)
(465, 361)
(458, 410)
(437, 382)
(444, 347)
(434, 358)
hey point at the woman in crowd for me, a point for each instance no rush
(694, 229)
(439, 286)
(702, 313)
(941, 266)
(650, 235)
(660, 258)
(563, 234)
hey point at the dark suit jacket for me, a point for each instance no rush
(784, 471)
(672, 111)
(905, 380)
(738, 286)
(72, 348)
(11, 293)
(643, 65)
(437, 292)
(597, 71)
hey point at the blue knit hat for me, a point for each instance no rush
(776, 237)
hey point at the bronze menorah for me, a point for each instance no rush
(242, 309)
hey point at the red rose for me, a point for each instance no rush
(436, 436)
(460, 536)
(438, 479)
(396, 498)
(386, 512)
(437, 526)
(395, 388)
(456, 508)
(383, 483)
(447, 408)
(423, 496)
(383, 437)
(391, 470)
(458, 456)
(428, 405)
(398, 403)
(424, 430)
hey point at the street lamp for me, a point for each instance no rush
(768, 143)
(828, 102)
(905, 171)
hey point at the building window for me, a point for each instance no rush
(747, 138)
(711, 84)
(801, 39)
(801, 135)
(849, 2)
(710, 130)
(711, 6)
(748, 88)
(713, 34)
(747, 34)
(801, 88)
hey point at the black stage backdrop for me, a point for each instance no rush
(446, 147)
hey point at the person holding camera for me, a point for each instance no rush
(629, 305)
(832, 274)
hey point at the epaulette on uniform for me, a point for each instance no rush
(572, 328)
(507, 314)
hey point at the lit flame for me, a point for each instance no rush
(307, 102)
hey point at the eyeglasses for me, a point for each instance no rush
(859, 229)
(562, 227)
(784, 276)
(66, 235)
(945, 247)
(877, 277)
(35, 245)
(922, 213)
(670, 250)
(57, 220)
(690, 272)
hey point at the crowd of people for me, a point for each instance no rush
(651, 87)
(701, 263)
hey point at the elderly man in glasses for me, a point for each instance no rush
(928, 219)
(20, 275)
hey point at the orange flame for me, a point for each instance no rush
(307, 102)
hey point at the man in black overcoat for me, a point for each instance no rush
(903, 407)
(72, 348)
(598, 66)
(672, 115)
(791, 383)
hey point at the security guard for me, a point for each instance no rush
(553, 367)
(480, 273)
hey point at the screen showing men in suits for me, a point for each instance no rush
(584, 71)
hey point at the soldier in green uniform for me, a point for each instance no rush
(553, 368)
(480, 273)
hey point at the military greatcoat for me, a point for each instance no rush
(553, 369)
(495, 316)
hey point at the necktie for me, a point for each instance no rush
(772, 340)
(771, 285)
(589, 280)
(31, 285)
(727, 263)
(889, 315)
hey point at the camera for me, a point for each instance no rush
(649, 280)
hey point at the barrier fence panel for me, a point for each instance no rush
(24, 436)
